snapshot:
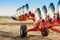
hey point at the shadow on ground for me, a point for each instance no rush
(8, 35)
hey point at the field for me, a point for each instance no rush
(10, 30)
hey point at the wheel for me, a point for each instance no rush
(45, 32)
(23, 31)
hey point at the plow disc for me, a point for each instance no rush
(44, 19)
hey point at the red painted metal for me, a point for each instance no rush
(27, 17)
(39, 26)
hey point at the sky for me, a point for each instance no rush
(8, 7)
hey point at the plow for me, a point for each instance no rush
(44, 19)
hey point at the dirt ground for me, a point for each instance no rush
(11, 31)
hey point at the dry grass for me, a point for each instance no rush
(12, 32)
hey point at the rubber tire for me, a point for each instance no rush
(23, 31)
(45, 32)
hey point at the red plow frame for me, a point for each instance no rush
(39, 26)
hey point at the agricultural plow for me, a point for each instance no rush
(44, 19)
